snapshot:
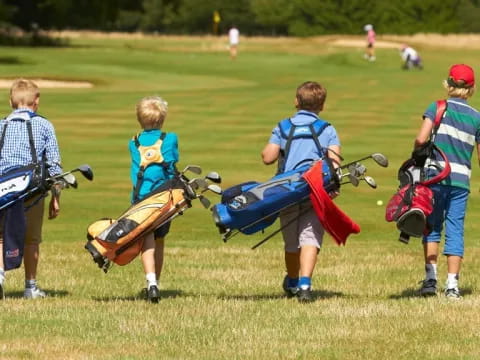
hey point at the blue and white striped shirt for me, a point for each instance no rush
(16, 148)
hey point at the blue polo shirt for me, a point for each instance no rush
(457, 136)
(304, 148)
(155, 174)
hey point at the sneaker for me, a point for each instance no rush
(429, 287)
(290, 291)
(153, 294)
(305, 295)
(453, 294)
(34, 293)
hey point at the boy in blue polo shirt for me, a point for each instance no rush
(303, 237)
(152, 144)
(458, 135)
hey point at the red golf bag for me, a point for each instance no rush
(414, 201)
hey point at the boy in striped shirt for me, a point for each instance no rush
(458, 135)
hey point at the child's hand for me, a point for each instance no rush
(333, 194)
(54, 207)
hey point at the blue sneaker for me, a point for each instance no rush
(289, 290)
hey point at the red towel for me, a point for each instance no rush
(334, 220)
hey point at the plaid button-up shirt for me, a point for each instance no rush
(16, 148)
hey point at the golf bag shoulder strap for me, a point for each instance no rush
(289, 131)
(28, 122)
(441, 109)
(286, 127)
(148, 155)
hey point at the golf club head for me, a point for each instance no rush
(214, 177)
(370, 181)
(205, 202)
(215, 189)
(198, 183)
(86, 171)
(360, 170)
(193, 168)
(70, 180)
(354, 180)
(380, 159)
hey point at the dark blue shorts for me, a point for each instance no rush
(162, 231)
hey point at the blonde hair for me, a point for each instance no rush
(463, 93)
(151, 112)
(23, 92)
(311, 96)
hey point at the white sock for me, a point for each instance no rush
(452, 281)
(151, 279)
(431, 271)
(30, 284)
(2, 276)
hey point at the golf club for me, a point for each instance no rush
(214, 188)
(198, 183)
(205, 202)
(213, 176)
(379, 158)
(192, 168)
(370, 181)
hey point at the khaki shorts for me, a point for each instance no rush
(304, 229)
(34, 217)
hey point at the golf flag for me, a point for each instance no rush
(216, 17)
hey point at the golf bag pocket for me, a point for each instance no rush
(409, 208)
(13, 230)
(20, 183)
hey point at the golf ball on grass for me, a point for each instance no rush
(379, 202)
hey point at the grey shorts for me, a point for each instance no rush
(303, 230)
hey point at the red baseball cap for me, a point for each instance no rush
(461, 76)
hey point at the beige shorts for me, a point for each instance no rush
(34, 217)
(303, 230)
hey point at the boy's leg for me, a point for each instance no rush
(159, 249)
(160, 235)
(33, 238)
(454, 238)
(291, 248)
(148, 262)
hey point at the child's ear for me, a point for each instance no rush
(296, 102)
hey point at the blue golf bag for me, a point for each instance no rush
(252, 206)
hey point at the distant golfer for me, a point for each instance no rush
(458, 136)
(370, 50)
(410, 58)
(234, 39)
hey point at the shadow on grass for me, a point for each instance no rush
(317, 295)
(50, 294)
(164, 294)
(10, 60)
(413, 293)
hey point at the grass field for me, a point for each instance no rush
(224, 301)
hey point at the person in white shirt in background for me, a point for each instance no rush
(234, 39)
(410, 58)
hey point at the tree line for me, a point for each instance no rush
(252, 17)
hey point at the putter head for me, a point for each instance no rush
(370, 181)
(70, 180)
(380, 159)
(214, 177)
(215, 189)
(86, 171)
(205, 202)
(193, 168)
